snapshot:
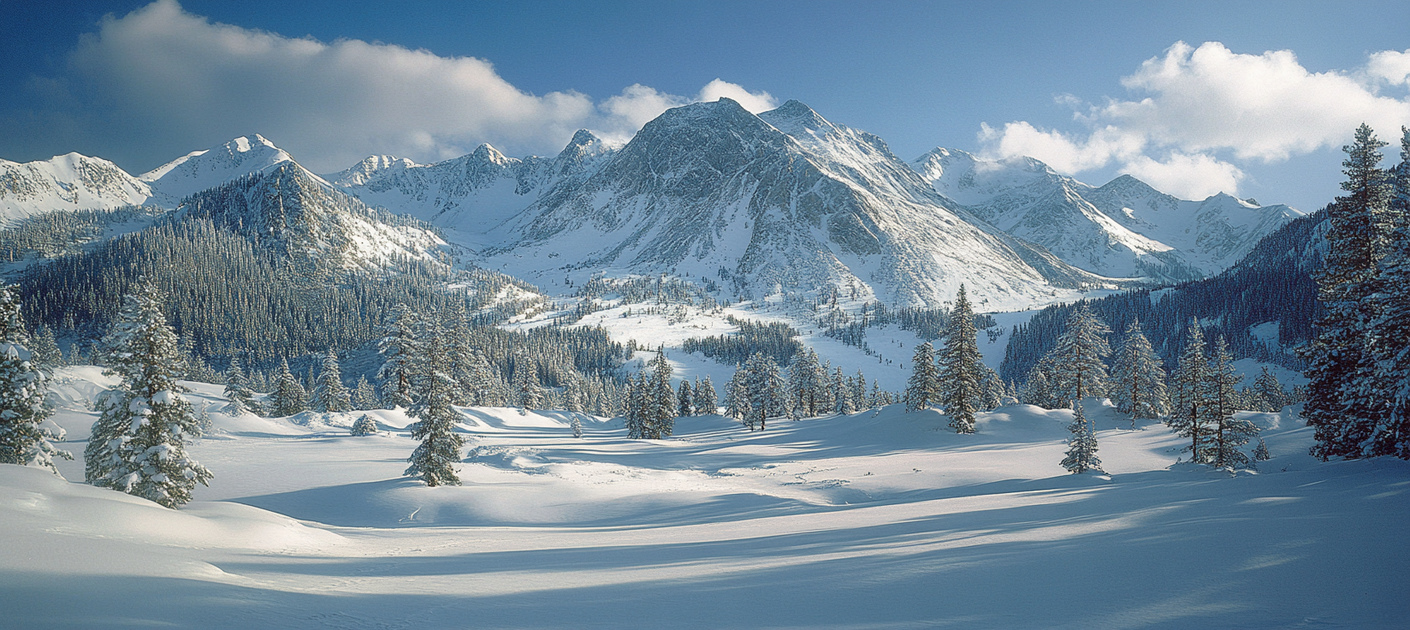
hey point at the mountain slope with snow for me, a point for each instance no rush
(208, 168)
(1122, 229)
(784, 201)
(66, 182)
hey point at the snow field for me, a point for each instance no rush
(875, 520)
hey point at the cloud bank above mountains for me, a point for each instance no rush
(1205, 109)
(172, 73)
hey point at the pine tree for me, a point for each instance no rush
(1390, 307)
(685, 399)
(1338, 408)
(842, 395)
(1077, 358)
(1229, 432)
(1038, 389)
(329, 394)
(1188, 399)
(1138, 380)
(576, 424)
(527, 393)
(661, 405)
(1260, 452)
(807, 379)
(433, 389)
(400, 347)
(1082, 446)
(922, 389)
(364, 425)
(1268, 392)
(138, 444)
(961, 368)
(237, 390)
(737, 397)
(47, 354)
(25, 439)
(764, 388)
(705, 398)
(363, 396)
(289, 397)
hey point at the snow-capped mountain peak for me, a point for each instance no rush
(199, 170)
(66, 182)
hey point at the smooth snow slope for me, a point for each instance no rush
(876, 520)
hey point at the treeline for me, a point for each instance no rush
(1272, 284)
(774, 339)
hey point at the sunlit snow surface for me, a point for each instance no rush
(875, 520)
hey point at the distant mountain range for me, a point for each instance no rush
(751, 205)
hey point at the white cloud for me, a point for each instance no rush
(181, 76)
(1205, 101)
(755, 102)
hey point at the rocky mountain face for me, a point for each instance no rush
(1122, 229)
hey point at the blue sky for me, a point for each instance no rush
(1194, 97)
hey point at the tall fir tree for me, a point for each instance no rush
(237, 390)
(661, 409)
(47, 354)
(1268, 393)
(1188, 399)
(289, 396)
(807, 380)
(1339, 408)
(1137, 378)
(961, 368)
(25, 438)
(138, 444)
(706, 400)
(1390, 381)
(1082, 446)
(363, 396)
(1228, 432)
(329, 393)
(1078, 357)
(737, 397)
(400, 347)
(685, 400)
(923, 388)
(433, 391)
(765, 390)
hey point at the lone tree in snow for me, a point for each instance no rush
(433, 389)
(24, 437)
(1137, 378)
(576, 424)
(962, 369)
(923, 388)
(1082, 446)
(237, 390)
(364, 425)
(138, 444)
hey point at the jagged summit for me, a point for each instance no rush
(66, 182)
(199, 170)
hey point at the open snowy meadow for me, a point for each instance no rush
(880, 519)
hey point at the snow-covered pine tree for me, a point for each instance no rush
(662, 406)
(961, 367)
(685, 400)
(527, 393)
(237, 390)
(576, 424)
(400, 348)
(1342, 415)
(1077, 358)
(842, 394)
(485, 382)
(573, 398)
(1038, 389)
(364, 425)
(807, 381)
(1391, 326)
(25, 438)
(1268, 393)
(329, 394)
(1082, 446)
(47, 354)
(737, 397)
(462, 356)
(765, 390)
(922, 390)
(289, 396)
(434, 392)
(1137, 378)
(364, 397)
(1229, 432)
(1187, 399)
(706, 399)
(859, 390)
(138, 444)
(634, 413)
(1260, 452)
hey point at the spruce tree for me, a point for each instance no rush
(765, 390)
(1342, 406)
(1390, 298)
(1228, 432)
(138, 444)
(1260, 452)
(706, 399)
(47, 354)
(961, 368)
(1077, 358)
(807, 380)
(364, 425)
(400, 348)
(289, 396)
(661, 408)
(922, 389)
(1137, 378)
(737, 397)
(363, 396)
(237, 390)
(576, 424)
(685, 400)
(329, 394)
(1268, 392)
(1082, 446)
(25, 438)
(434, 393)
(842, 395)
(1188, 398)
